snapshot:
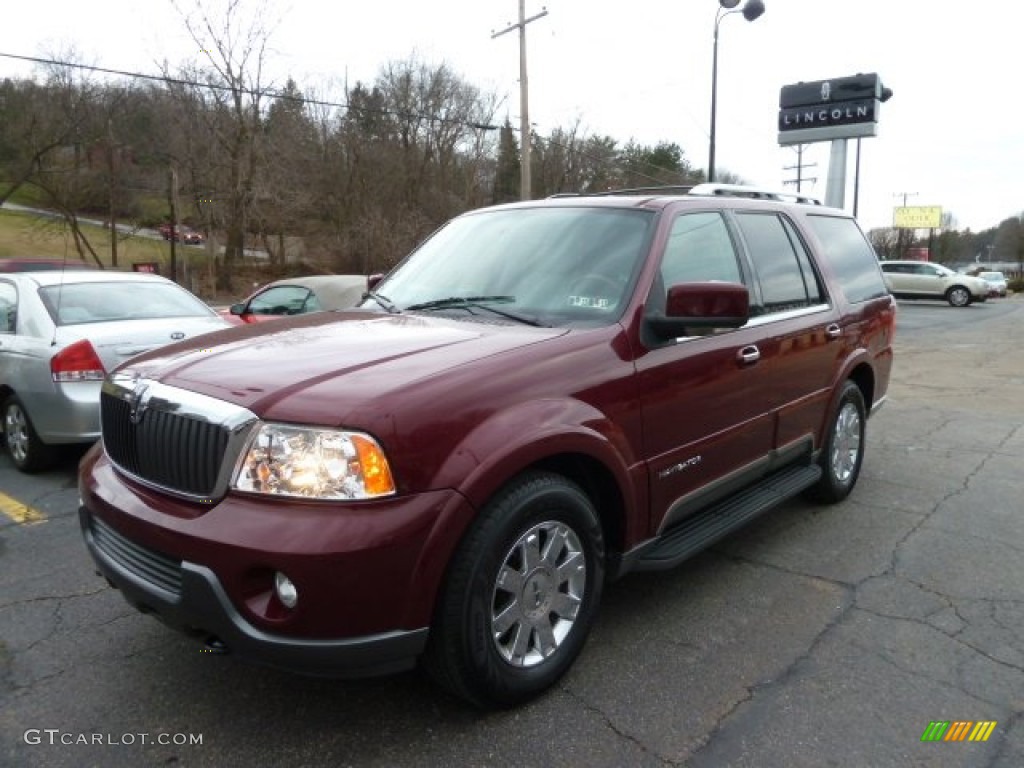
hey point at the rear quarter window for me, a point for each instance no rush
(851, 257)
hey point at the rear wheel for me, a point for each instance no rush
(28, 452)
(843, 452)
(958, 296)
(521, 594)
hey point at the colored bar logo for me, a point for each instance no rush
(958, 730)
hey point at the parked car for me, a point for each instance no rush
(181, 234)
(927, 280)
(32, 264)
(61, 332)
(298, 296)
(543, 396)
(997, 283)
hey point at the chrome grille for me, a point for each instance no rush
(172, 439)
(157, 569)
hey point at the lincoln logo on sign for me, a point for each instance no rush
(822, 110)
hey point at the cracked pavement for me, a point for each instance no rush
(817, 636)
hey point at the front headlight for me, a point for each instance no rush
(285, 460)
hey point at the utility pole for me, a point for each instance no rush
(525, 187)
(172, 202)
(799, 168)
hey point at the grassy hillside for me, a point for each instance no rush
(26, 235)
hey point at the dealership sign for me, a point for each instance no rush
(917, 217)
(822, 110)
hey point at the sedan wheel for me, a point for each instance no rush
(27, 451)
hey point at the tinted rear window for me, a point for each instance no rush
(851, 257)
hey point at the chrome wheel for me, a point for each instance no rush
(846, 443)
(16, 432)
(537, 594)
(959, 297)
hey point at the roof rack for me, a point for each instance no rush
(755, 193)
(703, 190)
(670, 189)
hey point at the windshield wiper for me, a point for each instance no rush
(384, 301)
(469, 303)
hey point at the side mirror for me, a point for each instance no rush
(374, 280)
(701, 305)
(237, 309)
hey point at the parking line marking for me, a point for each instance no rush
(19, 512)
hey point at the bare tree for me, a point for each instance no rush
(233, 46)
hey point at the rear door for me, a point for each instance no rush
(800, 339)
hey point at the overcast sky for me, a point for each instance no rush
(952, 135)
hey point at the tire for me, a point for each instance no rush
(27, 451)
(843, 452)
(521, 594)
(958, 296)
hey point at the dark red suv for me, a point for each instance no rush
(540, 398)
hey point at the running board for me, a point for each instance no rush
(704, 528)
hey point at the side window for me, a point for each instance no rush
(699, 249)
(811, 280)
(8, 308)
(280, 300)
(850, 255)
(784, 285)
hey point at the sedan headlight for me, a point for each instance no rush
(285, 460)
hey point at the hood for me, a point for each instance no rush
(353, 356)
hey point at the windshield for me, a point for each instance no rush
(549, 266)
(75, 303)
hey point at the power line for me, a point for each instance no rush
(248, 91)
(298, 100)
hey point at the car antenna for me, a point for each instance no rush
(60, 295)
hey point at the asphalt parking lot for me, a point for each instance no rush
(817, 636)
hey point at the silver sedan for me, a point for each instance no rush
(61, 332)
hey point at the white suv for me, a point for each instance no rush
(926, 280)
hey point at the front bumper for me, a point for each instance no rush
(209, 572)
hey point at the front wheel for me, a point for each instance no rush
(958, 296)
(843, 452)
(521, 594)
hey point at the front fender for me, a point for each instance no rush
(515, 438)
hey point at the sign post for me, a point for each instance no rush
(831, 110)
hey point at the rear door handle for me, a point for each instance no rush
(833, 331)
(748, 355)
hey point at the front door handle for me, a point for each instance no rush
(748, 355)
(833, 331)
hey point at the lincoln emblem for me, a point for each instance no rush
(826, 91)
(138, 401)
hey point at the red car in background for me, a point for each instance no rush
(181, 234)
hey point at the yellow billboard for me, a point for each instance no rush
(917, 217)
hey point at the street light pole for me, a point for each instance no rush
(751, 10)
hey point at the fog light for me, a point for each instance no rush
(286, 591)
